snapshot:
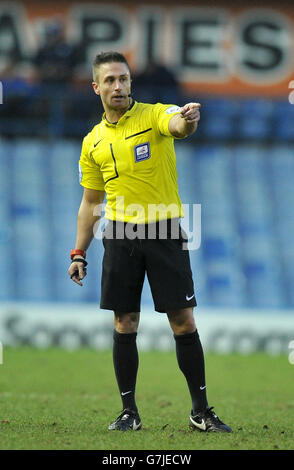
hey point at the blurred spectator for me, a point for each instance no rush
(17, 93)
(56, 60)
(156, 83)
(55, 64)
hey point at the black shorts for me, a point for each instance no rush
(126, 261)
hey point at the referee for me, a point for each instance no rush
(130, 156)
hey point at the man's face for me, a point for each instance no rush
(113, 84)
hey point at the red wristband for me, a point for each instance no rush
(77, 252)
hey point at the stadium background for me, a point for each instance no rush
(235, 60)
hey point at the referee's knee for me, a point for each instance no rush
(182, 321)
(126, 322)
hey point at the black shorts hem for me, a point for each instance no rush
(178, 307)
(118, 309)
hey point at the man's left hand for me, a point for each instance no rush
(190, 112)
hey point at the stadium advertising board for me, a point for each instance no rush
(225, 49)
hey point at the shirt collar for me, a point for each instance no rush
(125, 116)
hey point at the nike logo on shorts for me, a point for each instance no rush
(189, 298)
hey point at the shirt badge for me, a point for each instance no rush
(142, 152)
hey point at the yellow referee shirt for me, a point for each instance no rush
(134, 161)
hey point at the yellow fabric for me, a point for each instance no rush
(135, 163)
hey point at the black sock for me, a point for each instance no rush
(126, 361)
(191, 362)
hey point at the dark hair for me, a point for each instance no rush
(108, 57)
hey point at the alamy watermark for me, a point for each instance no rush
(1, 353)
(1, 93)
(167, 225)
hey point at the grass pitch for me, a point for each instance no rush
(61, 400)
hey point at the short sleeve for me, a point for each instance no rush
(90, 175)
(162, 114)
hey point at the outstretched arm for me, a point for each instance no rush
(185, 123)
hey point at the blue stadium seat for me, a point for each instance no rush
(264, 284)
(216, 248)
(218, 117)
(188, 173)
(31, 226)
(225, 284)
(255, 119)
(283, 121)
